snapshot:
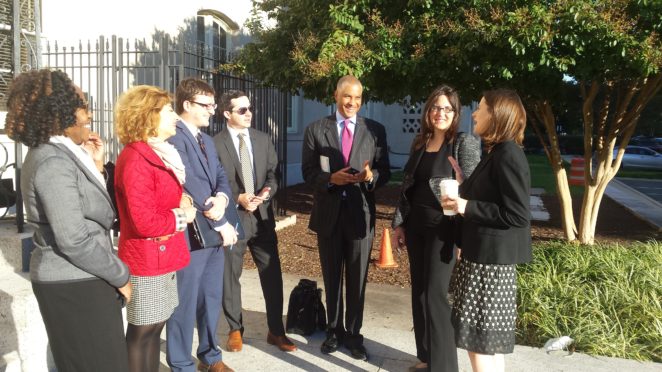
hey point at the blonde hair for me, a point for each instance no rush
(508, 117)
(137, 113)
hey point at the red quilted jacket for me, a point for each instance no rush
(146, 193)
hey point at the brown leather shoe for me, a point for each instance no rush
(282, 342)
(234, 341)
(216, 367)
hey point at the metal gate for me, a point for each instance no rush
(106, 67)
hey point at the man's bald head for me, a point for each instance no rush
(348, 79)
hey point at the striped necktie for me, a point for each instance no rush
(246, 167)
(202, 146)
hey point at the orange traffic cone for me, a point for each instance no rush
(385, 254)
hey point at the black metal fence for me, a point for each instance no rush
(106, 67)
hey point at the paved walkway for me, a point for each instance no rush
(640, 204)
(388, 337)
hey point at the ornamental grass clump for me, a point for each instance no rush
(606, 297)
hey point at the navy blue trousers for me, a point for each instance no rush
(200, 288)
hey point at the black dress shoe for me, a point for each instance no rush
(358, 352)
(330, 344)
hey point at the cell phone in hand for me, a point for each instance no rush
(264, 193)
(353, 171)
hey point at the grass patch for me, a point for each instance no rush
(647, 174)
(542, 175)
(605, 297)
(396, 177)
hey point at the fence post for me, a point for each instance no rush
(18, 148)
(101, 101)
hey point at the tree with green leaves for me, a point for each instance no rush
(611, 50)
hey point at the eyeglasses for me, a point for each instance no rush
(208, 106)
(242, 110)
(446, 109)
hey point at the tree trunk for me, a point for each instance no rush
(565, 200)
(543, 113)
(632, 97)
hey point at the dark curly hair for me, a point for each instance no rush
(41, 104)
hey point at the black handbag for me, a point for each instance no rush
(305, 311)
(203, 231)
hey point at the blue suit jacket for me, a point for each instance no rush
(204, 178)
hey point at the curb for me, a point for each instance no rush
(640, 204)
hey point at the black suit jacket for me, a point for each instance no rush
(496, 227)
(321, 139)
(265, 163)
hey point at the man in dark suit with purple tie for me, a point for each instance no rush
(344, 160)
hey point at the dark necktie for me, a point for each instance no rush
(346, 141)
(246, 166)
(202, 146)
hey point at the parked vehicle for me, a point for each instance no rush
(639, 157)
(650, 142)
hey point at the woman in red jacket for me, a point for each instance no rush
(148, 185)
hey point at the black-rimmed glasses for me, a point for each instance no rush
(242, 110)
(208, 106)
(445, 109)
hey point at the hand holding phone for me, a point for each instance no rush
(263, 194)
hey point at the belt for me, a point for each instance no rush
(161, 238)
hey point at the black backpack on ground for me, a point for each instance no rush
(305, 312)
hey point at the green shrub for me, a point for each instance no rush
(605, 297)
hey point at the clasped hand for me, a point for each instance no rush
(218, 205)
(345, 176)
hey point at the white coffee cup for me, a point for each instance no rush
(449, 188)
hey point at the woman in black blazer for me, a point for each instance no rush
(496, 234)
(429, 235)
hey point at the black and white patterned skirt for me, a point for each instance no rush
(153, 298)
(484, 298)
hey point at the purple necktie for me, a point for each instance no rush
(346, 141)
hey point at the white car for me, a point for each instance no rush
(638, 157)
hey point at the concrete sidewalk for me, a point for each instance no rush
(641, 205)
(388, 337)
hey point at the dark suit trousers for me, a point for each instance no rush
(83, 321)
(262, 242)
(431, 264)
(200, 295)
(337, 251)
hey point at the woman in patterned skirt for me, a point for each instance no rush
(148, 185)
(496, 234)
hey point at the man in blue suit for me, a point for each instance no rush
(200, 284)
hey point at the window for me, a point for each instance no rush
(294, 105)
(214, 31)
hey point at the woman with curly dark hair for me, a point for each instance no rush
(79, 282)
